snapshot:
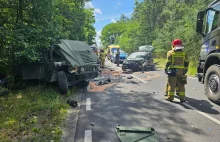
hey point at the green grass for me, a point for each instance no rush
(32, 114)
(192, 66)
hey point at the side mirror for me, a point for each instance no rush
(199, 24)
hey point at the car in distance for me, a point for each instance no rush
(139, 61)
(122, 57)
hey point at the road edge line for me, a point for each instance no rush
(88, 103)
(138, 78)
(88, 136)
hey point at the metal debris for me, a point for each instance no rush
(104, 81)
(128, 71)
(92, 124)
(72, 102)
(129, 77)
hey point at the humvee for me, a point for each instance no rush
(208, 70)
(67, 63)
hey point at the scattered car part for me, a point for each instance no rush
(72, 102)
(126, 134)
(129, 77)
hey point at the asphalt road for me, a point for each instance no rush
(139, 102)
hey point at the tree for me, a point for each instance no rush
(29, 26)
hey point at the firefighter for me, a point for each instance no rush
(167, 85)
(176, 68)
(102, 58)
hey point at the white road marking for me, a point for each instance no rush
(88, 136)
(138, 78)
(202, 113)
(88, 104)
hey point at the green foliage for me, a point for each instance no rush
(29, 26)
(158, 23)
(33, 114)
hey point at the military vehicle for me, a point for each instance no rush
(67, 63)
(208, 70)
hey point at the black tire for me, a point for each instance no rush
(212, 83)
(62, 82)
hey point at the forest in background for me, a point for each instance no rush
(157, 23)
(27, 26)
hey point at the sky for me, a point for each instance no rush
(109, 11)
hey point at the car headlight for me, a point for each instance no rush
(73, 69)
(82, 69)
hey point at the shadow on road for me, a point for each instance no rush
(135, 109)
(202, 105)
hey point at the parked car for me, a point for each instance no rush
(139, 61)
(123, 56)
(68, 63)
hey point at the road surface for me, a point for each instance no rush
(139, 102)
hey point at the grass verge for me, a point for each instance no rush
(192, 66)
(32, 114)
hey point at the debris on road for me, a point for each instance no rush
(137, 134)
(72, 102)
(128, 71)
(129, 77)
(97, 88)
(92, 124)
(104, 81)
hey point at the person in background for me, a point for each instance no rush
(118, 57)
(102, 58)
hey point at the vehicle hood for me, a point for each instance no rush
(135, 59)
(76, 52)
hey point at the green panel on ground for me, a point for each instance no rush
(139, 134)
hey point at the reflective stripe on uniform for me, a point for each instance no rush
(182, 94)
(178, 55)
(171, 93)
(177, 66)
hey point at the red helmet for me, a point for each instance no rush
(177, 42)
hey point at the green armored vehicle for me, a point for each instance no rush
(208, 25)
(67, 63)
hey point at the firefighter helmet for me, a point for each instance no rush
(177, 42)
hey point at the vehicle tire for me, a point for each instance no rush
(212, 83)
(62, 82)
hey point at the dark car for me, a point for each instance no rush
(139, 61)
(123, 55)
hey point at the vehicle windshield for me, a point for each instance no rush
(137, 55)
(114, 49)
(146, 48)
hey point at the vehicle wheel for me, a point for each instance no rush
(62, 82)
(212, 83)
